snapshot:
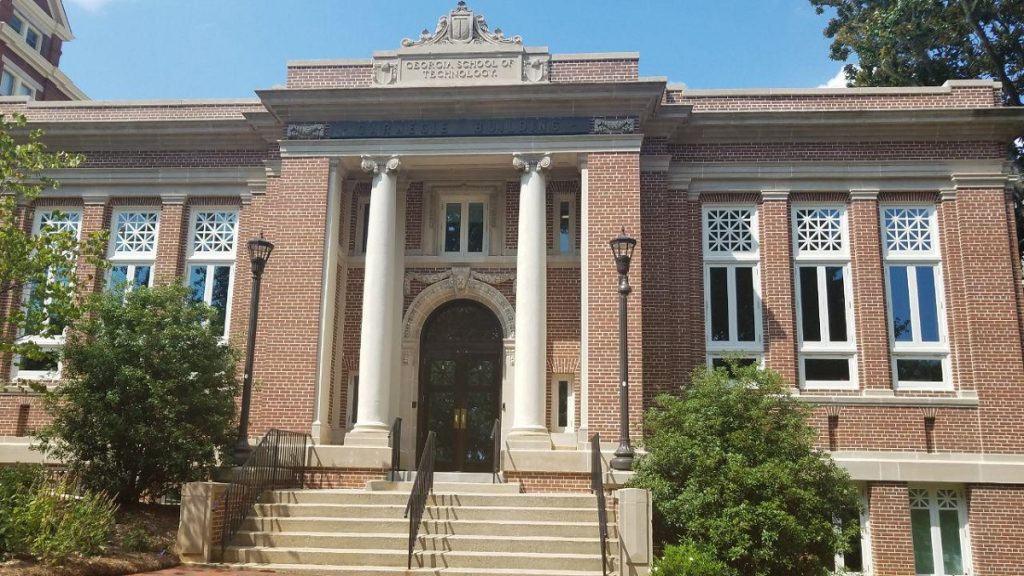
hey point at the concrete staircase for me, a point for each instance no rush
(467, 529)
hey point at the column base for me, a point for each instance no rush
(532, 438)
(370, 435)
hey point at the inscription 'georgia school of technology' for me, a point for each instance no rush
(460, 68)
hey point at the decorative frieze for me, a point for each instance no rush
(461, 127)
(459, 276)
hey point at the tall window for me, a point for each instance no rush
(213, 242)
(857, 558)
(563, 403)
(32, 36)
(464, 229)
(732, 284)
(824, 297)
(133, 248)
(916, 313)
(47, 333)
(938, 523)
(564, 220)
(13, 83)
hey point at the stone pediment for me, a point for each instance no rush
(462, 50)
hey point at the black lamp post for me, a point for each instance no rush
(622, 248)
(259, 253)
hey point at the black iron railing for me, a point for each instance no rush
(421, 490)
(496, 439)
(278, 462)
(396, 449)
(597, 485)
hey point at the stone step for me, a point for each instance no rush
(436, 499)
(421, 559)
(401, 525)
(401, 571)
(428, 542)
(430, 513)
(446, 487)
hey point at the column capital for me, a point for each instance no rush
(775, 194)
(95, 198)
(381, 164)
(869, 194)
(174, 198)
(531, 162)
(947, 195)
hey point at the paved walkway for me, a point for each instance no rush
(190, 571)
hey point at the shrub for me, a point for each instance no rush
(16, 483)
(148, 396)
(689, 559)
(136, 539)
(52, 522)
(732, 467)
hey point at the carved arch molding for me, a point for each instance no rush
(458, 283)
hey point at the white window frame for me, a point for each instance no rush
(825, 350)
(936, 533)
(556, 223)
(21, 79)
(731, 261)
(917, 349)
(26, 25)
(865, 538)
(465, 200)
(132, 260)
(570, 420)
(351, 410)
(362, 224)
(213, 260)
(46, 344)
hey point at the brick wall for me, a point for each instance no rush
(982, 96)
(996, 518)
(540, 482)
(330, 75)
(839, 152)
(566, 70)
(21, 414)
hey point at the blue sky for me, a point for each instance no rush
(129, 49)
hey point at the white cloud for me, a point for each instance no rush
(837, 81)
(91, 5)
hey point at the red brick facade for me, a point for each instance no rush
(655, 180)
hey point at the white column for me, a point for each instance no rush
(321, 432)
(584, 220)
(531, 298)
(377, 337)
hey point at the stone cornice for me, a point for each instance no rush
(638, 99)
(841, 177)
(165, 183)
(198, 134)
(1000, 124)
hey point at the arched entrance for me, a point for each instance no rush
(460, 384)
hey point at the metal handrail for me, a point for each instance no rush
(597, 485)
(496, 438)
(279, 461)
(421, 490)
(396, 448)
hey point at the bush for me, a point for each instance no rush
(689, 559)
(732, 467)
(16, 483)
(136, 539)
(148, 396)
(52, 521)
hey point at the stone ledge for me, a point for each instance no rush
(932, 467)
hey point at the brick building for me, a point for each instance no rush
(441, 214)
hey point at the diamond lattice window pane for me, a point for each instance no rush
(948, 499)
(215, 232)
(57, 221)
(136, 233)
(919, 498)
(730, 230)
(908, 229)
(819, 229)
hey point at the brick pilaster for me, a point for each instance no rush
(614, 203)
(287, 341)
(95, 217)
(8, 301)
(779, 306)
(957, 326)
(871, 317)
(892, 547)
(172, 239)
(996, 516)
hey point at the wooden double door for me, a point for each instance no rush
(460, 385)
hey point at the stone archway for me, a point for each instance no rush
(459, 283)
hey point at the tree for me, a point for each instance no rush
(732, 469)
(926, 42)
(147, 398)
(39, 293)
